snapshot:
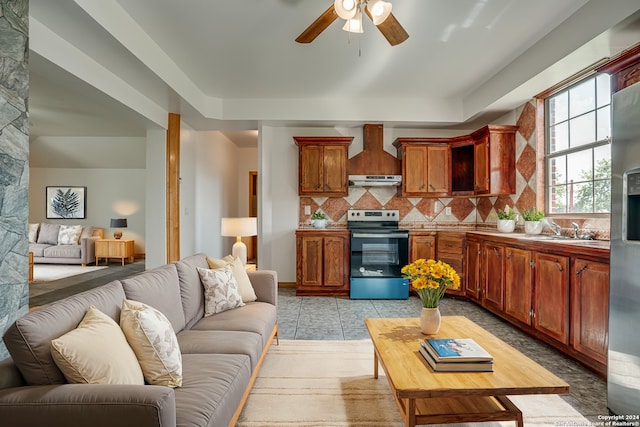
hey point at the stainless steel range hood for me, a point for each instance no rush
(374, 180)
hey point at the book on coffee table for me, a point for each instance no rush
(456, 350)
(486, 366)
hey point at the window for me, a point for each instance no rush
(578, 150)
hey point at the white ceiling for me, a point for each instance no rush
(117, 67)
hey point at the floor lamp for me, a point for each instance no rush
(238, 228)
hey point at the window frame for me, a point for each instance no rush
(591, 146)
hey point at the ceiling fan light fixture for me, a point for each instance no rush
(346, 9)
(379, 10)
(354, 25)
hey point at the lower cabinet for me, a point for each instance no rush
(590, 314)
(492, 296)
(518, 285)
(551, 296)
(450, 249)
(422, 245)
(473, 272)
(322, 262)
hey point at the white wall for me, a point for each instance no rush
(111, 193)
(155, 228)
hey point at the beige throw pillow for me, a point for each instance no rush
(96, 352)
(220, 290)
(154, 342)
(245, 288)
(33, 232)
(69, 234)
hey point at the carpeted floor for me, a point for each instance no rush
(331, 384)
(43, 273)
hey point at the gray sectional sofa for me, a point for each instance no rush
(221, 355)
(47, 249)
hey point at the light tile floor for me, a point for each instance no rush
(330, 318)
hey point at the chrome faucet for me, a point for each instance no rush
(575, 230)
(555, 227)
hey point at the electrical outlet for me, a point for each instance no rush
(307, 210)
(447, 210)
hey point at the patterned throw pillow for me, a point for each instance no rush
(220, 290)
(69, 234)
(154, 342)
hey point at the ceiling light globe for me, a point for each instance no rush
(346, 9)
(379, 10)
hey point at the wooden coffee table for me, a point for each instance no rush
(424, 396)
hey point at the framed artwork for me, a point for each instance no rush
(66, 202)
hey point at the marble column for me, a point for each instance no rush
(14, 164)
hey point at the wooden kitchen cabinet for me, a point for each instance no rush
(426, 167)
(551, 296)
(114, 248)
(421, 245)
(492, 296)
(473, 272)
(450, 249)
(518, 284)
(322, 262)
(590, 308)
(322, 166)
(495, 160)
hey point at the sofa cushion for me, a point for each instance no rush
(212, 388)
(87, 231)
(239, 272)
(257, 317)
(33, 232)
(222, 342)
(96, 352)
(191, 288)
(48, 233)
(69, 234)
(220, 290)
(38, 249)
(160, 289)
(154, 342)
(29, 338)
(63, 251)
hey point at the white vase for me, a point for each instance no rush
(319, 223)
(430, 320)
(533, 227)
(506, 225)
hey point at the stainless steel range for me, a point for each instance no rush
(379, 250)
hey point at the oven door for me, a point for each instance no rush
(378, 253)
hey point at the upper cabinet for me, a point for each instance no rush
(482, 163)
(425, 167)
(322, 165)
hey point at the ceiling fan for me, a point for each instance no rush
(378, 11)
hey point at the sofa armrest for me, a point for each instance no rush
(265, 285)
(81, 405)
(88, 249)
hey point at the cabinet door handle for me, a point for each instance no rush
(496, 251)
(581, 269)
(559, 266)
(509, 254)
(432, 187)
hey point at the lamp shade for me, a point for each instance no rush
(354, 25)
(379, 10)
(118, 223)
(346, 9)
(234, 227)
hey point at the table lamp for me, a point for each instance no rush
(118, 223)
(238, 228)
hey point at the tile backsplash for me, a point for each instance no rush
(465, 212)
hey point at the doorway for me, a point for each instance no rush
(252, 246)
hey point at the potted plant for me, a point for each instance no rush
(319, 220)
(507, 219)
(533, 220)
(430, 279)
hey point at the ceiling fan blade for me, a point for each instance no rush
(391, 29)
(318, 26)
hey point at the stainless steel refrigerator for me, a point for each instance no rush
(624, 291)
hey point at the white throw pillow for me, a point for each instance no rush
(33, 232)
(96, 352)
(154, 342)
(69, 234)
(220, 290)
(245, 288)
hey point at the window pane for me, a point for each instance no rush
(580, 166)
(583, 130)
(604, 123)
(557, 170)
(558, 108)
(558, 199)
(582, 98)
(602, 160)
(582, 197)
(603, 88)
(559, 137)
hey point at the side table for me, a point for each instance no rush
(114, 248)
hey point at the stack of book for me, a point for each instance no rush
(456, 354)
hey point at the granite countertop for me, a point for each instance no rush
(546, 238)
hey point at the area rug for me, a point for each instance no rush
(48, 272)
(331, 384)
